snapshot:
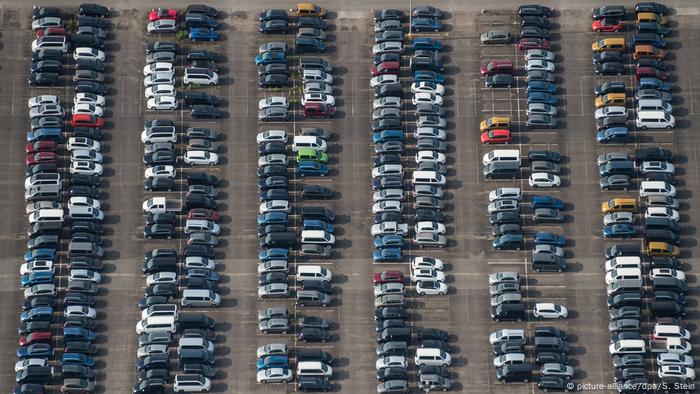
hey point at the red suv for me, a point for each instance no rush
(40, 146)
(497, 67)
(386, 68)
(316, 110)
(533, 43)
(50, 31)
(498, 136)
(650, 72)
(34, 337)
(41, 157)
(388, 277)
(86, 120)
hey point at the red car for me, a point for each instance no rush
(34, 337)
(86, 120)
(497, 67)
(497, 136)
(41, 157)
(162, 13)
(318, 110)
(51, 31)
(607, 25)
(203, 214)
(386, 68)
(533, 43)
(40, 146)
(388, 277)
(650, 72)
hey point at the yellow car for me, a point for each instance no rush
(662, 249)
(651, 17)
(619, 205)
(609, 44)
(611, 99)
(308, 9)
(496, 122)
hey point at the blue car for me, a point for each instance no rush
(541, 97)
(651, 28)
(425, 24)
(276, 217)
(313, 224)
(541, 86)
(547, 202)
(613, 135)
(203, 273)
(272, 362)
(547, 238)
(389, 241)
(40, 254)
(78, 334)
(381, 137)
(428, 76)
(52, 134)
(36, 350)
(387, 255)
(77, 359)
(270, 57)
(425, 43)
(311, 168)
(34, 278)
(198, 34)
(273, 254)
(621, 230)
(653, 83)
(40, 313)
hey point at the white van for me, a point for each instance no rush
(627, 346)
(313, 272)
(501, 155)
(305, 141)
(200, 297)
(317, 237)
(49, 178)
(655, 120)
(623, 262)
(313, 368)
(656, 188)
(156, 324)
(621, 274)
(200, 76)
(507, 334)
(50, 42)
(654, 105)
(428, 178)
(662, 331)
(46, 216)
(433, 357)
(159, 134)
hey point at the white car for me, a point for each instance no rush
(387, 47)
(544, 179)
(388, 195)
(76, 143)
(539, 64)
(543, 54)
(85, 274)
(46, 110)
(89, 109)
(35, 206)
(390, 362)
(676, 371)
(158, 78)
(431, 287)
(430, 227)
(78, 201)
(45, 99)
(427, 98)
(191, 383)
(161, 277)
(666, 273)
(80, 311)
(162, 26)
(85, 167)
(387, 102)
(159, 67)
(162, 103)
(320, 98)
(618, 217)
(386, 228)
(89, 98)
(427, 262)
(548, 310)
(199, 262)
(86, 155)
(160, 90)
(161, 171)
(606, 112)
(201, 157)
(648, 167)
(274, 375)
(430, 132)
(429, 156)
(505, 193)
(427, 87)
(30, 362)
(88, 53)
(274, 101)
(383, 79)
(36, 266)
(387, 206)
(389, 288)
(271, 136)
(509, 358)
(274, 206)
(275, 158)
(149, 350)
(662, 212)
(548, 249)
(420, 274)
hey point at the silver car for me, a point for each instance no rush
(430, 239)
(495, 37)
(541, 108)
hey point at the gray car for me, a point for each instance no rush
(274, 46)
(430, 239)
(541, 108)
(273, 313)
(495, 37)
(315, 251)
(507, 298)
(168, 57)
(547, 215)
(274, 326)
(429, 109)
(392, 386)
(384, 113)
(273, 114)
(612, 156)
(541, 121)
(317, 87)
(545, 166)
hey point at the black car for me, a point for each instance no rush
(546, 155)
(505, 217)
(318, 285)
(271, 228)
(161, 157)
(273, 80)
(46, 66)
(201, 178)
(199, 251)
(499, 81)
(43, 79)
(388, 14)
(433, 333)
(660, 177)
(665, 262)
(534, 10)
(199, 369)
(91, 21)
(26, 327)
(273, 182)
(386, 124)
(653, 154)
(195, 201)
(162, 217)
(547, 331)
(87, 40)
(47, 54)
(77, 371)
(609, 87)
(609, 68)
(428, 215)
(274, 194)
(267, 148)
(90, 87)
(426, 11)
(195, 320)
(550, 357)
(270, 14)
(272, 277)
(649, 6)
(200, 98)
(552, 383)
(274, 26)
(615, 182)
(273, 68)
(89, 64)
(90, 9)
(149, 386)
(204, 112)
(382, 217)
(78, 299)
(386, 159)
(313, 383)
(392, 373)
(203, 9)
(436, 344)
(156, 373)
(538, 21)
(272, 170)
(609, 11)
(310, 21)
(39, 301)
(159, 184)
(534, 32)
(386, 57)
(607, 56)
(201, 54)
(45, 12)
(87, 132)
(197, 20)
(152, 300)
(80, 322)
(160, 253)
(80, 347)
(159, 231)
(161, 46)
(84, 262)
(310, 334)
(161, 289)
(434, 370)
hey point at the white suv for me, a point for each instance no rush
(200, 76)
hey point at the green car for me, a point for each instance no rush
(311, 154)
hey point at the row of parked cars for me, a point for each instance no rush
(45, 194)
(307, 18)
(199, 21)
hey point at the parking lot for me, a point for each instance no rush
(469, 255)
